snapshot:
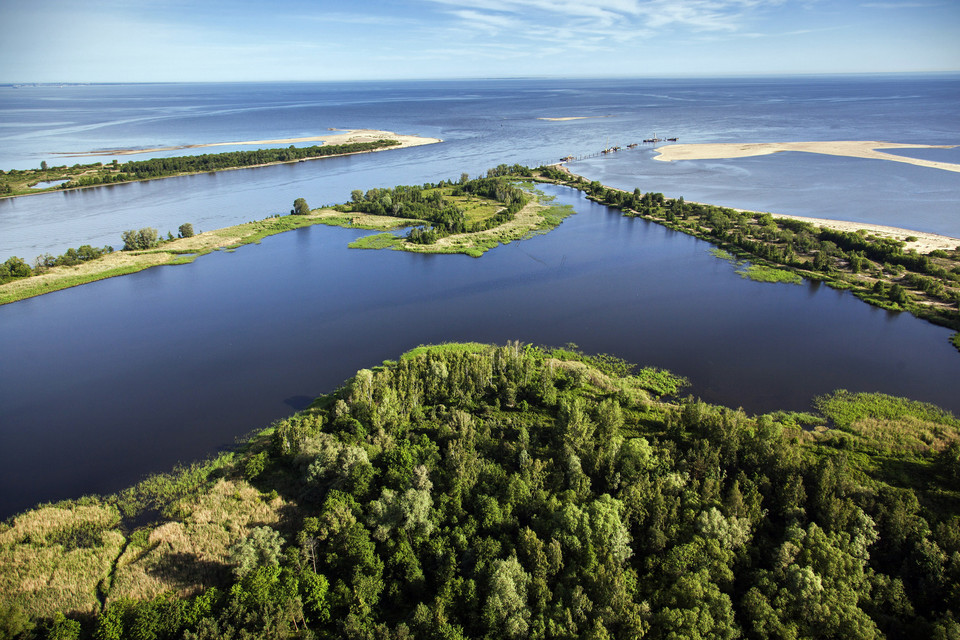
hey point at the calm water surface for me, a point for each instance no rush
(107, 382)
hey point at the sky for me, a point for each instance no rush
(241, 40)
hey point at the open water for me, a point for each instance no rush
(104, 383)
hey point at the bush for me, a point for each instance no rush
(186, 230)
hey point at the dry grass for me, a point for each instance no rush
(908, 434)
(42, 567)
(191, 553)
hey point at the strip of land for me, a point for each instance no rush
(346, 136)
(921, 241)
(846, 148)
(566, 118)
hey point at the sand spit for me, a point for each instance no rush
(847, 148)
(340, 137)
(566, 118)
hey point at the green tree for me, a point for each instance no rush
(145, 238)
(186, 230)
(300, 207)
(260, 549)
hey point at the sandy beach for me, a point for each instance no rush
(335, 137)
(847, 148)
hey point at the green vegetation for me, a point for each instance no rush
(142, 249)
(470, 491)
(377, 241)
(19, 182)
(450, 208)
(877, 270)
(300, 207)
(146, 238)
(760, 273)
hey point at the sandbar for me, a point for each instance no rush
(847, 148)
(340, 137)
(565, 118)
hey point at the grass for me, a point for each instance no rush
(377, 241)
(173, 252)
(759, 273)
(755, 272)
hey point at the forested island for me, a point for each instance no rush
(478, 491)
(17, 182)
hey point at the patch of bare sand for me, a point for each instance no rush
(847, 148)
(340, 137)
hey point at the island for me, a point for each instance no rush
(17, 182)
(516, 491)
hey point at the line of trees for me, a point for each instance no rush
(162, 167)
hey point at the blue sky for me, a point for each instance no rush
(237, 40)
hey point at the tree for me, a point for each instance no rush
(186, 230)
(300, 207)
(260, 549)
(43, 165)
(146, 238)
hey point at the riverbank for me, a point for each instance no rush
(170, 252)
(846, 148)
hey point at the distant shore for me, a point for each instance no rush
(845, 148)
(344, 136)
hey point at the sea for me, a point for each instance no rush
(104, 383)
(483, 123)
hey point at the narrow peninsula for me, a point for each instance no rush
(16, 182)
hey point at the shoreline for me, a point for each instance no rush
(867, 149)
(353, 135)
(345, 136)
(925, 243)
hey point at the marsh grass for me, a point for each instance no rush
(377, 241)
(55, 558)
(759, 273)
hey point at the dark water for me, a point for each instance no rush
(483, 123)
(107, 382)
